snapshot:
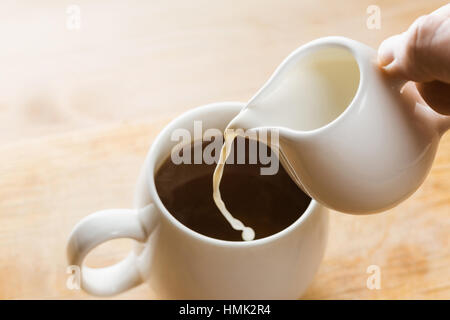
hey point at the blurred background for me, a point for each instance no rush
(87, 85)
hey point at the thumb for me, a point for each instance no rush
(397, 57)
(422, 52)
(386, 51)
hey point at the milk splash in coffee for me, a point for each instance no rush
(247, 232)
(230, 135)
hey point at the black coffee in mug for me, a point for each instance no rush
(266, 203)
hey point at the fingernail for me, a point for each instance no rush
(386, 53)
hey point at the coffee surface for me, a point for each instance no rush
(266, 203)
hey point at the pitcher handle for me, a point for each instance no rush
(103, 226)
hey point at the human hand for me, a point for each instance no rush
(422, 54)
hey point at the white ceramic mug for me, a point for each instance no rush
(180, 263)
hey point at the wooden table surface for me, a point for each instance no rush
(80, 108)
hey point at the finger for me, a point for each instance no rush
(386, 50)
(400, 52)
(436, 94)
(444, 10)
(422, 52)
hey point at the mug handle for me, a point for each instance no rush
(103, 226)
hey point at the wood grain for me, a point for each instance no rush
(79, 109)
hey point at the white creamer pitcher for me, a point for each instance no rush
(350, 136)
